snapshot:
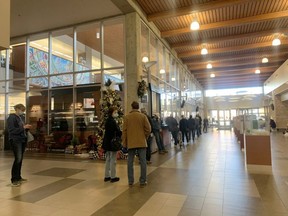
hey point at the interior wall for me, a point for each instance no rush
(35, 16)
(212, 103)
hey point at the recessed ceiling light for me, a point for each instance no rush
(212, 75)
(145, 59)
(257, 71)
(209, 66)
(173, 79)
(194, 25)
(276, 42)
(162, 71)
(204, 51)
(265, 60)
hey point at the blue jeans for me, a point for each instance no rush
(159, 141)
(143, 167)
(18, 148)
(110, 164)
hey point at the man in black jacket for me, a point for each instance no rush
(17, 130)
(192, 128)
(183, 126)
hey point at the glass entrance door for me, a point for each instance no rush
(224, 119)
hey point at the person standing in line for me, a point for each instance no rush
(197, 125)
(156, 128)
(136, 129)
(111, 129)
(17, 130)
(183, 126)
(200, 124)
(149, 139)
(191, 126)
(173, 128)
(205, 125)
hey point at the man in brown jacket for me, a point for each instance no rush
(136, 129)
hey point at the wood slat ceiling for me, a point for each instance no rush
(237, 34)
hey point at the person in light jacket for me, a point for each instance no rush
(136, 129)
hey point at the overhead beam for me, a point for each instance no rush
(235, 74)
(236, 66)
(272, 68)
(228, 23)
(223, 86)
(230, 49)
(228, 38)
(233, 79)
(254, 62)
(195, 8)
(231, 82)
(261, 54)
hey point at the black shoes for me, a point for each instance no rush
(107, 179)
(116, 179)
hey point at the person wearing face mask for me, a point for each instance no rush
(17, 130)
(111, 129)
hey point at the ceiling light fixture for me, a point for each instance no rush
(194, 25)
(209, 66)
(97, 35)
(257, 71)
(173, 79)
(162, 71)
(265, 60)
(145, 59)
(276, 42)
(212, 75)
(204, 51)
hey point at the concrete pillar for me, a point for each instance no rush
(280, 114)
(133, 58)
(5, 24)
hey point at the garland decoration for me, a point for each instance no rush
(142, 88)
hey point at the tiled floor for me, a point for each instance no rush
(206, 178)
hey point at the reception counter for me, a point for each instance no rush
(257, 149)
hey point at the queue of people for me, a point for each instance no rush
(137, 135)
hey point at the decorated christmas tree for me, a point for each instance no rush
(110, 98)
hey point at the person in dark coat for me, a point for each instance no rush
(183, 126)
(173, 128)
(111, 129)
(192, 128)
(17, 130)
(156, 128)
(150, 137)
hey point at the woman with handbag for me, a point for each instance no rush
(111, 137)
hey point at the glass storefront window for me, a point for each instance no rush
(88, 78)
(2, 112)
(17, 86)
(17, 61)
(116, 76)
(61, 110)
(2, 65)
(153, 54)
(61, 80)
(62, 51)
(145, 42)
(37, 111)
(87, 112)
(38, 55)
(16, 97)
(88, 47)
(113, 55)
(41, 82)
